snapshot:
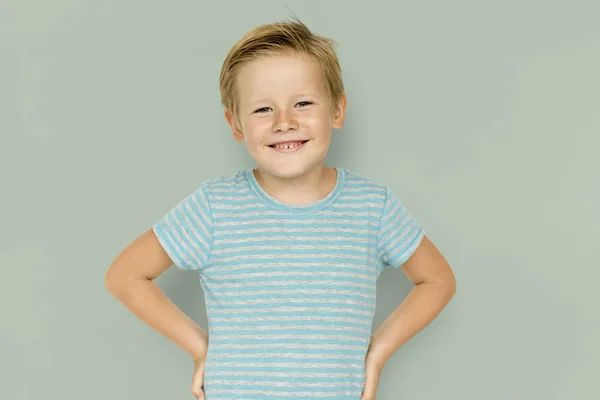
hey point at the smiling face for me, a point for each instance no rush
(285, 114)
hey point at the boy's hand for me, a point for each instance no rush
(198, 377)
(373, 366)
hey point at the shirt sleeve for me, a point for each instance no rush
(399, 232)
(185, 232)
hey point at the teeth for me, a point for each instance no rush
(290, 145)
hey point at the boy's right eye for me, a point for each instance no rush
(260, 110)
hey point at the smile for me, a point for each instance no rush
(288, 147)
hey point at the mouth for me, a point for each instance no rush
(287, 147)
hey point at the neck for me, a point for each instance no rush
(306, 189)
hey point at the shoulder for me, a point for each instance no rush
(224, 181)
(225, 187)
(355, 182)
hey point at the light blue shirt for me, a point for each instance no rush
(290, 290)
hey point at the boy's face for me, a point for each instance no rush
(284, 99)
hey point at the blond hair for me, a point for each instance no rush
(275, 39)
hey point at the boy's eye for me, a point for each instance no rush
(302, 103)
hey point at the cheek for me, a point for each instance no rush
(257, 126)
(250, 132)
(319, 120)
(253, 138)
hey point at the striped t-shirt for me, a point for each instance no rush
(289, 289)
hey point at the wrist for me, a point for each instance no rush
(376, 354)
(201, 349)
(197, 356)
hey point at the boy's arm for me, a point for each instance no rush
(130, 279)
(435, 286)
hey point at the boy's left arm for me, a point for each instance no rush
(435, 285)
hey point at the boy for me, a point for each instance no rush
(288, 253)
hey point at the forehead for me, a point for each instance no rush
(280, 75)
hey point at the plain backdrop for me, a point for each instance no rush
(483, 116)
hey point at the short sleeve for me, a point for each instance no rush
(399, 232)
(185, 232)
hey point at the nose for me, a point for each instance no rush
(284, 121)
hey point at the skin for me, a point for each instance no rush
(272, 106)
(285, 98)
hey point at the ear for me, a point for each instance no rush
(238, 134)
(340, 112)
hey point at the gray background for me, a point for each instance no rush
(483, 116)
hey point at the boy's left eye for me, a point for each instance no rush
(305, 102)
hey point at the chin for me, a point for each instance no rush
(287, 171)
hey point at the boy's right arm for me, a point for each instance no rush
(130, 279)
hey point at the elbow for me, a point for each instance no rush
(452, 290)
(110, 277)
(446, 284)
(113, 280)
(118, 279)
(110, 283)
(450, 286)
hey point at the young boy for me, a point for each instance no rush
(288, 253)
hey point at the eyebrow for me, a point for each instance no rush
(254, 103)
